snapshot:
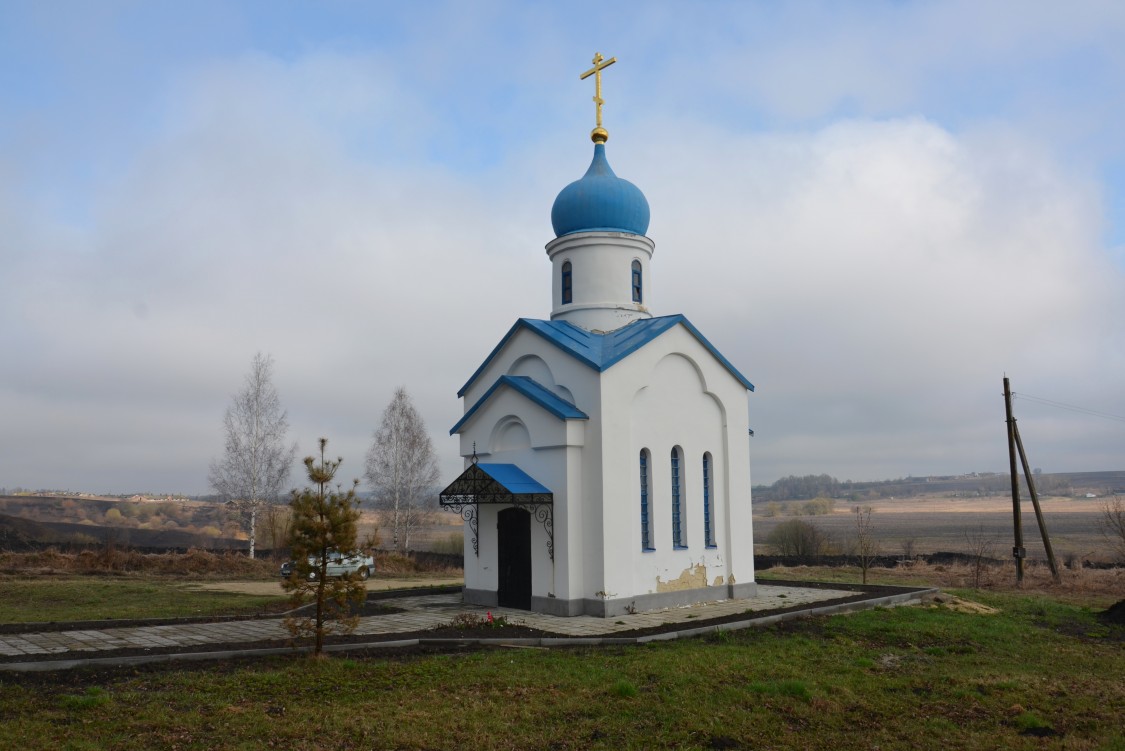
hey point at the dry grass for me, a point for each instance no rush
(931, 524)
(1101, 587)
(194, 563)
(387, 562)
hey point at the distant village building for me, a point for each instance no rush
(607, 449)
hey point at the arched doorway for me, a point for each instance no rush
(513, 553)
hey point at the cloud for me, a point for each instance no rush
(376, 217)
(248, 225)
(876, 279)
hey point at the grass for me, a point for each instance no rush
(1042, 674)
(1099, 588)
(25, 600)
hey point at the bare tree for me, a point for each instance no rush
(1113, 525)
(256, 462)
(981, 543)
(866, 545)
(908, 545)
(402, 469)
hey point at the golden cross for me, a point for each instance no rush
(598, 134)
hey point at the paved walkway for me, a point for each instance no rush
(419, 613)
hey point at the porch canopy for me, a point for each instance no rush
(497, 484)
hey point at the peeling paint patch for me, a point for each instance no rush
(718, 581)
(692, 578)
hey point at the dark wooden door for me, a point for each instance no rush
(513, 552)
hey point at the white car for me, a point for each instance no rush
(339, 564)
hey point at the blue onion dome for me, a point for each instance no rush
(600, 202)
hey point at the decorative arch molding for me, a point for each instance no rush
(670, 361)
(673, 360)
(509, 434)
(535, 368)
(564, 392)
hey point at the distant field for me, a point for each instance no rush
(175, 524)
(429, 537)
(941, 524)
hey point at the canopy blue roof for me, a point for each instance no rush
(533, 390)
(600, 202)
(601, 350)
(513, 479)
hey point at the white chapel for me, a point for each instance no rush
(607, 448)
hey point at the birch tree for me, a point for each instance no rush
(256, 461)
(402, 469)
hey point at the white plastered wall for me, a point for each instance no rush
(601, 278)
(673, 392)
(554, 454)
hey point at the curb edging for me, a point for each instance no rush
(893, 600)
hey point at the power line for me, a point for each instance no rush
(1069, 407)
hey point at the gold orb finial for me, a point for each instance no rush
(598, 134)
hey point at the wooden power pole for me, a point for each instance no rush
(1015, 443)
(1018, 551)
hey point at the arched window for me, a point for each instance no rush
(646, 514)
(708, 495)
(679, 539)
(637, 291)
(567, 290)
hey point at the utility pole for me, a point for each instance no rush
(1015, 443)
(1018, 551)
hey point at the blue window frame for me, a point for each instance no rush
(567, 289)
(637, 290)
(677, 516)
(708, 529)
(646, 526)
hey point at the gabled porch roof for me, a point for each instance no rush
(533, 390)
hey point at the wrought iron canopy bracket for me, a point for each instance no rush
(475, 488)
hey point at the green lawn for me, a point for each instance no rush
(91, 599)
(1040, 675)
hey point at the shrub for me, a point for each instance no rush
(798, 538)
(818, 507)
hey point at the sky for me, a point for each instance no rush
(875, 210)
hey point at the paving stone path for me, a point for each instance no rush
(419, 613)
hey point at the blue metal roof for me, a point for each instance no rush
(601, 350)
(534, 391)
(514, 479)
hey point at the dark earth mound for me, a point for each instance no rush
(1114, 613)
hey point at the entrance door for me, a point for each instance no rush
(513, 551)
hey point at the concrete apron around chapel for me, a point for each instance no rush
(607, 449)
